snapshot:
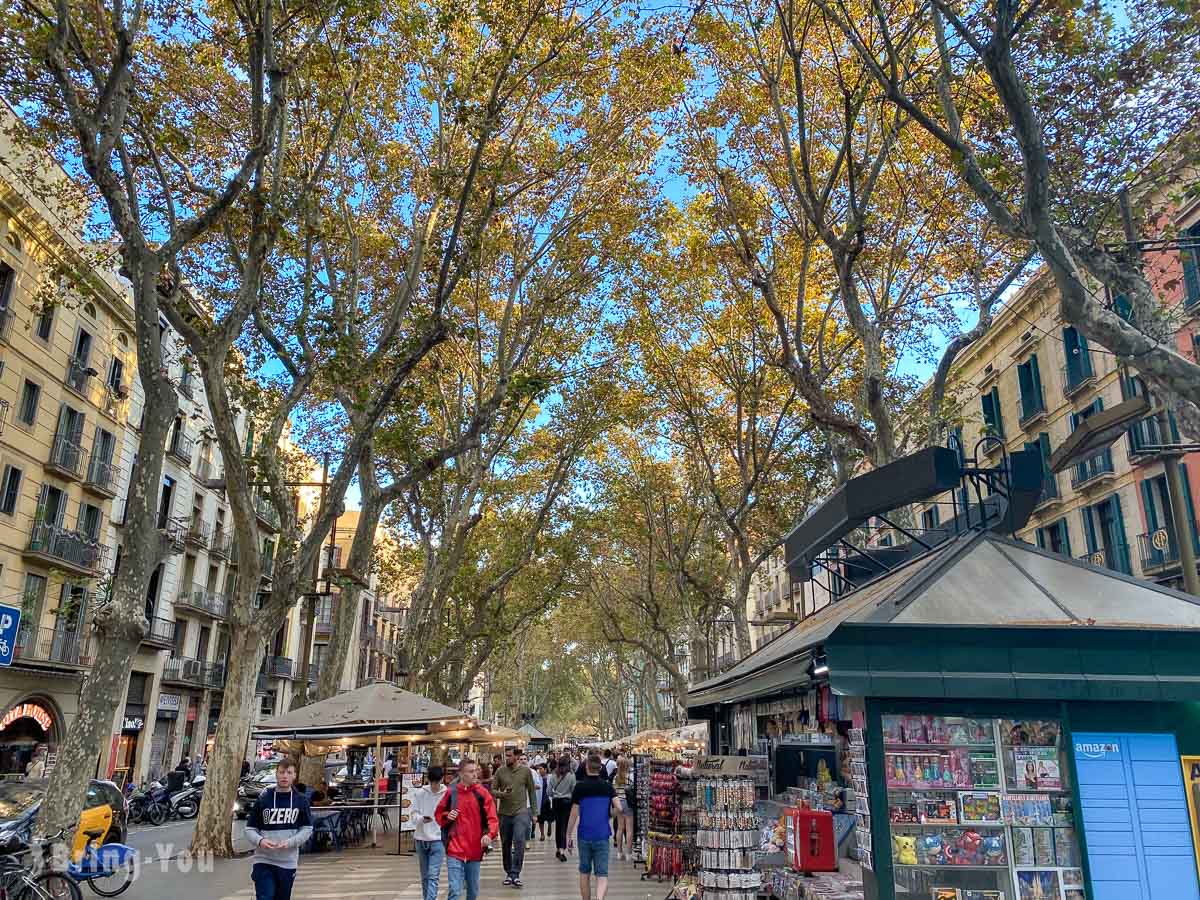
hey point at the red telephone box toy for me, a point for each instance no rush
(810, 841)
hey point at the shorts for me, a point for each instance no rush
(593, 858)
(626, 809)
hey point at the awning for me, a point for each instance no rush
(370, 710)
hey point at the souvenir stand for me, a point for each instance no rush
(671, 822)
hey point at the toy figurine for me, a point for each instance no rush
(993, 851)
(968, 849)
(929, 850)
(904, 846)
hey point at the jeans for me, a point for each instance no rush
(272, 882)
(562, 815)
(593, 855)
(430, 854)
(459, 872)
(514, 832)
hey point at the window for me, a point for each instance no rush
(32, 599)
(30, 395)
(44, 328)
(993, 423)
(89, 520)
(116, 376)
(1104, 529)
(1190, 256)
(10, 490)
(1030, 379)
(52, 506)
(166, 501)
(83, 346)
(929, 518)
(89, 310)
(7, 279)
(1079, 360)
(1055, 537)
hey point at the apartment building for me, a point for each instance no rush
(1033, 378)
(66, 353)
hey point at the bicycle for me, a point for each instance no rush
(18, 881)
(108, 869)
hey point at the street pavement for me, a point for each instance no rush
(363, 873)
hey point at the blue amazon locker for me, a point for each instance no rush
(1135, 817)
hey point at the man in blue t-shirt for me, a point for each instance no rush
(592, 804)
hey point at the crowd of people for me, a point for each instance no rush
(582, 802)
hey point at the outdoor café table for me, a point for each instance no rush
(326, 820)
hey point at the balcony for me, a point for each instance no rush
(207, 472)
(101, 477)
(1160, 550)
(314, 672)
(1146, 435)
(197, 534)
(1033, 409)
(1093, 472)
(221, 545)
(268, 565)
(187, 384)
(75, 551)
(66, 457)
(116, 401)
(52, 646)
(1051, 495)
(268, 517)
(1115, 557)
(6, 320)
(180, 448)
(184, 670)
(214, 675)
(280, 667)
(1077, 377)
(161, 633)
(203, 601)
(174, 536)
(77, 375)
(323, 625)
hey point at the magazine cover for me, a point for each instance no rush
(1022, 841)
(1066, 851)
(1037, 886)
(1043, 847)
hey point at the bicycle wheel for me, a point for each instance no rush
(50, 886)
(116, 881)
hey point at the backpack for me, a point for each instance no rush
(452, 803)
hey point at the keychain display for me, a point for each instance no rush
(670, 821)
(728, 838)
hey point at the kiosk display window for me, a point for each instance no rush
(979, 809)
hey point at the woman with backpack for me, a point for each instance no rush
(562, 786)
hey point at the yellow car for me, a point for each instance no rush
(104, 811)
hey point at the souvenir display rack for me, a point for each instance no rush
(671, 823)
(728, 837)
(979, 809)
(641, 813)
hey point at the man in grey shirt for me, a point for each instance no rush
(279, 824)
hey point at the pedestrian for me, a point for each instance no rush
(185, 766)
(623, 784)
(539, 784)
(467, 815)
(562, 785)
(517, 796)
(592, 803)
(485, 778)
(545, 814)
(279, 824)
(431, 853)
(610, 765)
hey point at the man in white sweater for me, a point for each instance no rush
(431, 853)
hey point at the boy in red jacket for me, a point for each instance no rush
(468, 836)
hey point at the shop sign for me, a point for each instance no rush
(28, 711)
(1098, 749)
(168, 702)
(10, 621)
(756, 767)
(1191, 781)
(133, 723)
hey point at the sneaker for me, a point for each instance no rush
(507, 880)
(516, 882)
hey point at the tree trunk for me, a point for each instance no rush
(120, 624)
(214, 831)
(741, 622)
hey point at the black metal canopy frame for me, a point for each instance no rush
(982, 497)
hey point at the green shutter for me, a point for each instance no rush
(1191, 269)
(996, 411)
(1148, 505)
(1191, 504)
(1066, 535)
(1036, 374)
(1120, 538)
(1089, 529)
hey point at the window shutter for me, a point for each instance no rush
(1148, 506)
(1066, 535)
(1089, 529)
(1036, 375)
(1190, 258)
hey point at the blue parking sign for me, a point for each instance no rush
(10, 621)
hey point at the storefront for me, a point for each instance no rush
(163, 737)
(1006, 724)
(28, 729)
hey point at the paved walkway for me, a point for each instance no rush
(375, 875)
